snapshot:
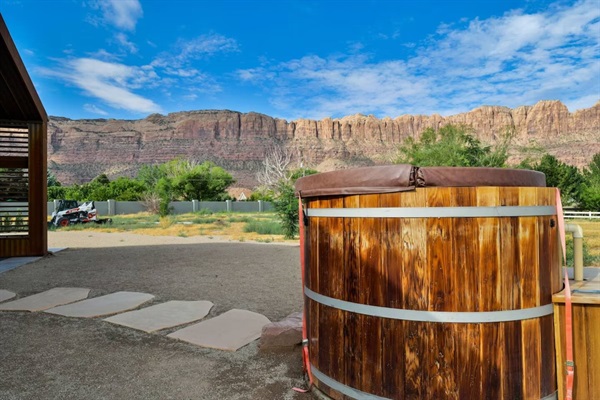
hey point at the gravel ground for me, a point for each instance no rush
(52, 357)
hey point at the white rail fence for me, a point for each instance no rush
(582, 215)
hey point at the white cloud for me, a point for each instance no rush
(178, 66)
(182, 72)
(123, 14)
(582, 102)
(511, 60)
(110, 82)
(94, 109)
(186, 51)
(190, 97)
(124, 42)
(102, 54)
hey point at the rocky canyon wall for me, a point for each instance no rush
(79, 150)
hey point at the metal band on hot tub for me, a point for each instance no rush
(463, 317)
(433, 212)
(359, 395)
(340, 387)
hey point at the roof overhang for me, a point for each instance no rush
(19, 101)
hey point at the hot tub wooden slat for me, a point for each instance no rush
(513, 381)
(311, 276)
(491, 375)
(393, 357)
(465, 260)
(415, 290)
(439, 358)
(323, 276)
(351, 267)
(592, 315)
(548, 360)
(393, 343)
(549, 282)
(530, 294)
(372, 291)
(336, 288)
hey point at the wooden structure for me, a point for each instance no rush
(23, 157)
(431, 283)
(585, 299)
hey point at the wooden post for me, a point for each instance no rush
(38, 191)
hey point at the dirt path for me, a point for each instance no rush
(47, 356)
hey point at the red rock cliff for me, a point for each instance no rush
(79, 150)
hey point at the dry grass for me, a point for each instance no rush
(591, 234)
(218, 225)
(231, 226)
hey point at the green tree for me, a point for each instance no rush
(177, 179)
(263, 194)
(286, 207)
(51, 179)
(100, 189)
(150, 174)
(589, 196)
(165, 193)
(101, 179)
(205, 181)
(286, 202)
(592, 172)
(126, 189)
(563, 176)
(56, 192)
(453, 146)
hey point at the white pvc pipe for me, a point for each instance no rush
(577, 233)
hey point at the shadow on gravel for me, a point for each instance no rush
(48, 356)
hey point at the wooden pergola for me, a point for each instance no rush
(23, 157)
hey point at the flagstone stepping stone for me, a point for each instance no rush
(228, 331)
(45, 300)
(6, 295)
(104, 305)
(165, 315)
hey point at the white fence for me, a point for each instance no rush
(582, 215)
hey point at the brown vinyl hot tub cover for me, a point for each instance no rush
(403, 177)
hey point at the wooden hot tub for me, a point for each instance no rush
(431, 283)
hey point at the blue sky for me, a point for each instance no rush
(305, 59)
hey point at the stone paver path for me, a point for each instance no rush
(6, 295)
(228, 331)
(162, 316)
(45, 300)
(104, 305)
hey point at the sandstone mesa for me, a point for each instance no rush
(79, 150)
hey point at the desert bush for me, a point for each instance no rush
(264, 227)
(151, 202)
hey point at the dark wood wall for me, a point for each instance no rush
(35, 241)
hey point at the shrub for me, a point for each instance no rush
(264, 227)
(588, 259)
(286, 207)
(151, 202)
